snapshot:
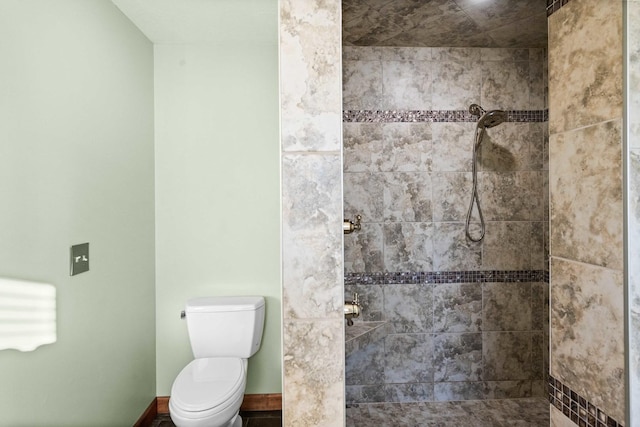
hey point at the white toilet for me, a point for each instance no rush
(224, 332)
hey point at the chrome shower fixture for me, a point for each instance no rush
(487, 119)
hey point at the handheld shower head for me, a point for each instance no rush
(492, 118)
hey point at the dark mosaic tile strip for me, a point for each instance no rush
(555, 5)
(575, 407)
(446, 277)
(410, 116)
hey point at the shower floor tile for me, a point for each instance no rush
(531, 412)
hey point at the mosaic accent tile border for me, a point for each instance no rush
(446, 277)
(577, 408)
(555, 5)
(409, 116)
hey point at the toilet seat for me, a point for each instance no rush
(208, 387)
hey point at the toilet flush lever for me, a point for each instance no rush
(183, 314)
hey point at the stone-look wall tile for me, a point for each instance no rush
(363, 250)
(453, 146)
(452, 251)
(457, 357)
(505, 85)
(458, 85)
(362, 147)
(481, 390)
(504, 54)
(507, 355)
(506, 306)
(364, 394)
(451, 196)
(411, 392)
(311, 66)
(587, 332)
(311, 203)
(538, 259)
(537, 356)
(536, 83)
(362, 53)
(408, 246)
(313, 357)
(407, 197)
(366, 366)
(585, 175)
(633, 72)
(507, 246)
(511, 147)
(362, 85)
(539, 305)
(511, 196)
(409, 307)
(407, 147)
(466, 54)
(457, 307)
(585, 78)
(363, 195)
(558, 419)
(407, 85)
(408, 358)
(406, 53)
(371, 299)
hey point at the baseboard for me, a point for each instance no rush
(251, 402)
(146, 419)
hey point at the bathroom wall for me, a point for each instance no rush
(467, 318)
(632, 32)
(217, 191)
(76, 165)
(585, 180)
(312, 282)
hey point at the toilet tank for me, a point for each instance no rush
(225, 326)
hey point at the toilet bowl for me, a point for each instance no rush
(208, 393)
(224, 333)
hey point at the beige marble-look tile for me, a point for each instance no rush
(453, 146)
(313, 357)
(408, 246)
(407, 197)
(451, 195)
(406, 53)
(311, 240)
(506, 306)
(310, 64)
(407, 147)
(587, 332)
(362, 147)
(363, 249)
(505, 85)
(633, 70)
(407, 85)
(363, 195)
(511, 196)
(504, 54)
(458, 85)
(452, 251)
(460, 54)
(361, 53)
(511, 147)
(362, 85)
(586, 194)
(585, 64)
(507, 246)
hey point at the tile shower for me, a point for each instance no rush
(466, 320)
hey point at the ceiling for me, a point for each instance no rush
(440, 23)
(203, 21)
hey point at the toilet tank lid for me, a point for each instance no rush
(223, 304)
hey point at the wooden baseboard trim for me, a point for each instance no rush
(251, 402)
(146, 419)
(262, 402)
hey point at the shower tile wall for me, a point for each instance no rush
(586, 113)
(411, 182)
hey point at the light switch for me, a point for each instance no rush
(79, 258)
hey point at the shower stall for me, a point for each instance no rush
(467, 316)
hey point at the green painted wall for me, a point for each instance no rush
(217, 192)
(76, 165)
